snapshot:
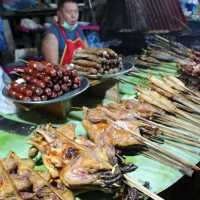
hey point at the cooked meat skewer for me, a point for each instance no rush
(10, 181)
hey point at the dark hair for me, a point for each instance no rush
(62, 2)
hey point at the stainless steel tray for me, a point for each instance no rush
(127, 66)
(67, 96)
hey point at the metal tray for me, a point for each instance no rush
(67, 96)
(127, 66)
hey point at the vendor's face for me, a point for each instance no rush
(69, 13)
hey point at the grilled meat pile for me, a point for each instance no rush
(188, 60)
(43, 81)
(161, 53)
(18, 180)
(93, 61)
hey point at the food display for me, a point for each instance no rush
(157, 118)
(95, 61)
(19, 180)
(41, 81)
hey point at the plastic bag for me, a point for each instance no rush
(93, 40)
(30, 24)
(6, 105)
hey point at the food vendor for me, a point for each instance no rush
(64, 36)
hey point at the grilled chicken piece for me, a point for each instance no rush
(142, 109)
(85, 170)
(78, 162)
(114, 136)
(98, 121)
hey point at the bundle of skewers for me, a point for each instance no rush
(177, 120)
(19, 180)
(97, 61)
(161, 51)
(41, 81)
(133, 123)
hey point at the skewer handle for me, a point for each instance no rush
(141, 188)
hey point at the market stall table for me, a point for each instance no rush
(158, 175)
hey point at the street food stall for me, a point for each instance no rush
(106, 125)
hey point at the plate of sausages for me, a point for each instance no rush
(44, 83)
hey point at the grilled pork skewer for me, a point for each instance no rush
(154, 98)
(97, 52)
(167, 88)
(10, 180)
(89, 57)
(29, 184)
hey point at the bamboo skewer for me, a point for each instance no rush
(172, 143)
(67, 139)
(176, 46)
(166, 128)
(181, 122)
(179, 133)
(177, 125)
(177, 122)
(180, 140)
(167, 88)
(167, 161)
(182, 107)
(186, 102)
(154, 146)
(181, 84)
(195, 116)
(156, 99)
(187, 116)
(195, 100)
(141, 188)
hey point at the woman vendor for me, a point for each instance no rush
(65, 36)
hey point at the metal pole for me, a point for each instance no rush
(92, 12)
